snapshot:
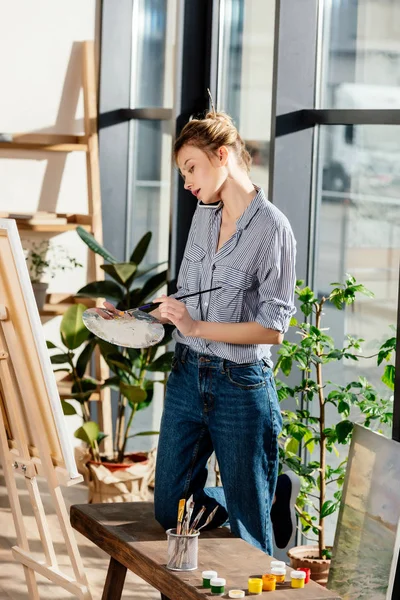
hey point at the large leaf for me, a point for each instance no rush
(94, 245)
(152, 285)
(68, 409)
(133, 393)
(389, 376)
(83, 389)
(102, 289)
(124, 273)
(142, 272)
(141, 249)
(328, 508)
(59, 359)
(343, 429)
(116, 359)
(162, 363)
(72, 328)
(88, 433)
(84, 358)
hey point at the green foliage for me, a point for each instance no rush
(305, 428)
(129, 287)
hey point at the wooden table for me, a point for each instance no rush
(129, 533)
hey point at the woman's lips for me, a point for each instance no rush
(196, 192)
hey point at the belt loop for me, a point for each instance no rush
(184, 353)
(223, 365)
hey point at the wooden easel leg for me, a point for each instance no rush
(115, 581)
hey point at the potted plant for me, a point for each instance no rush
(122, 476)
(43, 261)
(306, 428)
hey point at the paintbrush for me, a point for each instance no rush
(155, 304)
(181, 510)
(209, 518)
(197, 519)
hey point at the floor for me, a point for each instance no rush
(12, 582)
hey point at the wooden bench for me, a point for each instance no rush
(133, 539)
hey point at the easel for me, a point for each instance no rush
(33, 439)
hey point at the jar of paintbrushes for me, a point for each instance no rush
(183, 540)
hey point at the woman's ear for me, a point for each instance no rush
(223, 155)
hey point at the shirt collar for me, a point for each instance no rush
(252, 209)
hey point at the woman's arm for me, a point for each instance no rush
(236, 333)
(230, 333)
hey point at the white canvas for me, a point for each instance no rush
(366, 546)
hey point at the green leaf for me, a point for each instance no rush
(152, 285)
(292, 445)
(112, 382)
(162, 363)
(94, 245)
(124, 273)
(102, 289)
(388, 376)
(343, 430)
(50, 345)
(68, 409)
(88, 433)
(59, 359)
(286, 365)
(328, 508)
(133, 393)
(139, 252)
(72, 327)
(83, 389)
(101, 436)
(84, 358)
(144, 433)
(118, 360)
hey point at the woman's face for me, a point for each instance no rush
(203, 174)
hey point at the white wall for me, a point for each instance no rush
(40, 74)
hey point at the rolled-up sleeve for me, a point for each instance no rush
(277, 280)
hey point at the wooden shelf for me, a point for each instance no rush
(50, 222)
(57, 304)
(46, 142)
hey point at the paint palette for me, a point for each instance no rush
(131, 329)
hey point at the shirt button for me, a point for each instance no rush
(206, 304)
(213, 267)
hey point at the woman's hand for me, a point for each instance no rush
(110, 308)
(176, 312)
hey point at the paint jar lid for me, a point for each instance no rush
(236, 594)
(278, 563)
(297, 575)
(209, 574)
(218, 582)
(278, 571)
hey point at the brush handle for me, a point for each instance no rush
(155, 304)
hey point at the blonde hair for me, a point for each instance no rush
(212, 132)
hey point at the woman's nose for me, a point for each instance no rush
(187, 185)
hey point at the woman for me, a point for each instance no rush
(220, 394)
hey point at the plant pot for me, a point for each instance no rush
(117, 482)
(40, 291)
(307, 556)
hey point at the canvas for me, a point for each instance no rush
(366, 546)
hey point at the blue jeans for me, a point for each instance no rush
(215, 404)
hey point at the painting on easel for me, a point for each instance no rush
(366, 547)
(33, 436)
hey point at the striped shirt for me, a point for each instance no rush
(255, 269)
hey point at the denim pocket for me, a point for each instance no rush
(246, 377)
